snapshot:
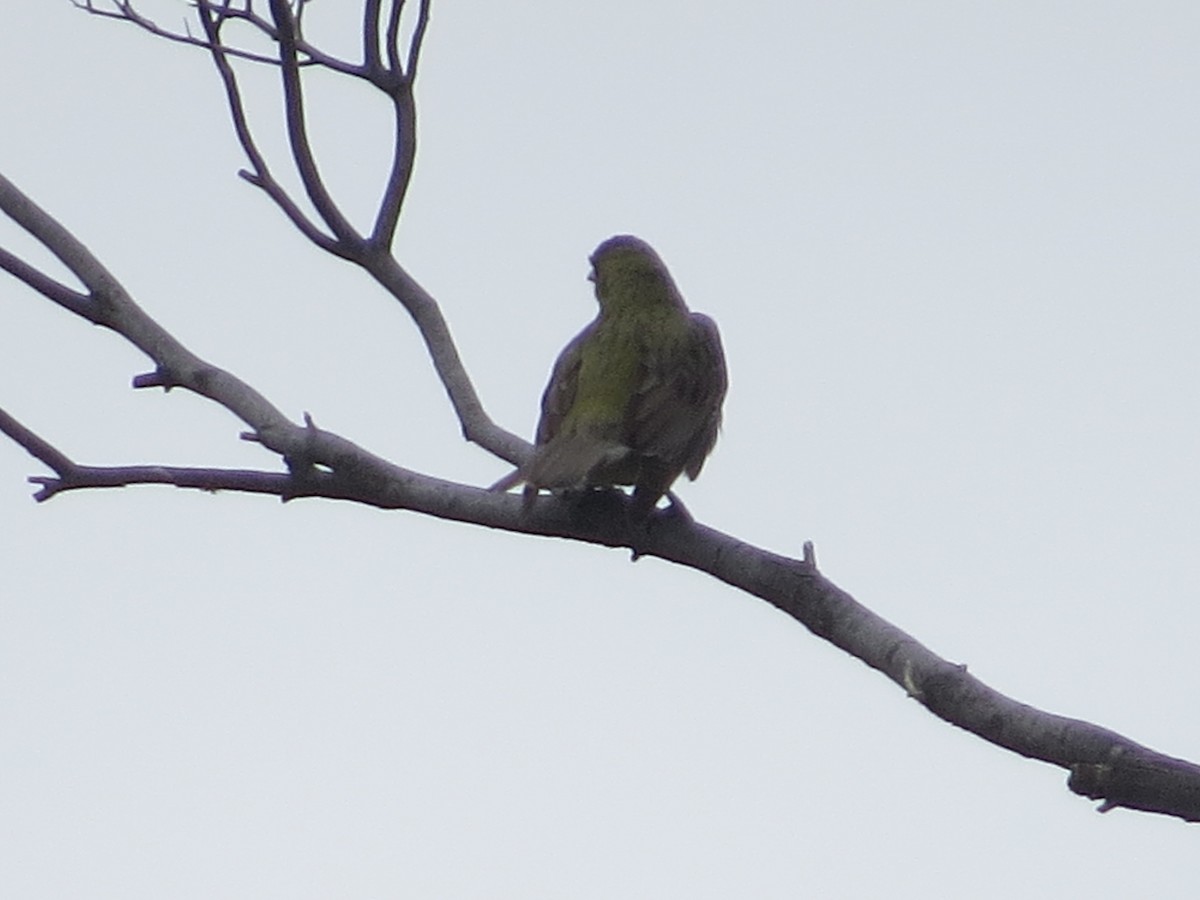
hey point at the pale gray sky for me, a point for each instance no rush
(953, 252)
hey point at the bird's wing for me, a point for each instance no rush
(677, 411)
(569, 454)
(559, 395)
(713, 381)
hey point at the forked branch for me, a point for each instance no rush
(392, 72)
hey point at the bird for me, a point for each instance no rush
(635, 398)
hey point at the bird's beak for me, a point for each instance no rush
(592, 276)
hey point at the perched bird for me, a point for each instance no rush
(635, 398)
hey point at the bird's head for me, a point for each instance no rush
(627, 272)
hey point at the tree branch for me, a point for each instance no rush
(38, 448)
(372, 254)
(1102, 764)
(110, 305)
(39, 280)
(404, 154)
(297, 129)
(477, 425)
(125, 11)
(76, 257)
(398, 83)
(418, 39)
(261, 177)
(392, 38)
(370, 31)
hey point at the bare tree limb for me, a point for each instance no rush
(41, 282)
(125, 11)
(261, 177)
(297, 130)
(418, 40)
(371, 60)
(1102, 764)
(373, 253)
(392, 40)
(76, 257)
(398, 83)
(109, 304)
(477, 425)
(38, 448)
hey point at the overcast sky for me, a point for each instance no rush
(952, 248)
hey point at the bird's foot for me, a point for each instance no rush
(678, 509)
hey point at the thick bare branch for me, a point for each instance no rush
(74, 255)
(110, 305)
(477, 425)
(1102, 764)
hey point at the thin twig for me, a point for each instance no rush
(370, 33)
(69, 476)
(48, 287)
(404, 154)
(392, 37)
(374, 254)
(269, 30)
(261, 177)
(418, 39)
(38, 448)
(126, 12)
(297, 131)
(244, 481)
(404, 124)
